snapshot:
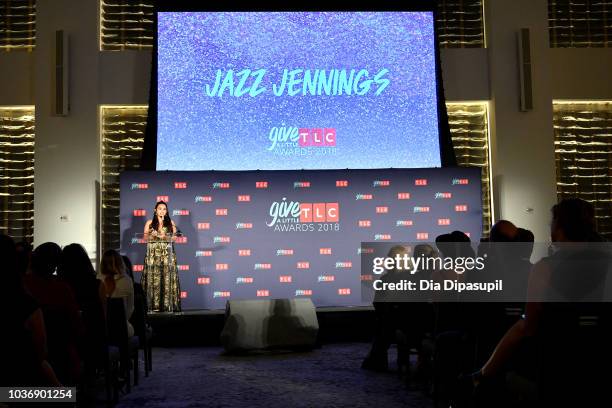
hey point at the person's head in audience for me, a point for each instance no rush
(573, 220)
(111, 267)
(456, 243)
(45, 259)
(503, 231)
(526, 238)
(397, 250)
(425, 251)
(128, 266)
(75, 266)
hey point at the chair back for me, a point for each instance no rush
(116, 323)
(58, 329)
(95, 342)
(573, 350)
(139, 316)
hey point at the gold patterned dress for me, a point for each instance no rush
(160, 276)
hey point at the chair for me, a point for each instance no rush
(97, 354)
(60, 343)
(118, 337)
(142, 329)
(573, 349)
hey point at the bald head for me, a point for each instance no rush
(503, 231)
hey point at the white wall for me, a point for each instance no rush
(522, 142)
(67, 164)
(66, 155)
(67, 148)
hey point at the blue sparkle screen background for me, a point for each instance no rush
(296, 90)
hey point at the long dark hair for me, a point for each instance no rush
(167, 221)
(75, 267)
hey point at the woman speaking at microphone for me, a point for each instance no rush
(160, 276)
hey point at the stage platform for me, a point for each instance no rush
(202, 327)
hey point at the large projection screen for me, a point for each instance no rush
(296, 90)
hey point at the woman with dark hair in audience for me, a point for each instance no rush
(23, 346)
(117, 284)
(75, 268)
(60, 310)
(571, 376)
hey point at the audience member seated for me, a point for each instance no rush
(117, 284)
(454, 323)
(398, 319)
(60, 311)
(566, 360)
(23, 344)
(129, 270)
(450, 316)
(75, 268)
(142, 328)
(507, 259)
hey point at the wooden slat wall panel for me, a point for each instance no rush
(126, 24)
(17, 25)
(583, 154)
(122, 140)
(580, 23)
(460, 24)
(17, 173)
(470, 133)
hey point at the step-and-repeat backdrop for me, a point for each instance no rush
(288, 234)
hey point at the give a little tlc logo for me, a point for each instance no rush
(301, 137)
(295, 212)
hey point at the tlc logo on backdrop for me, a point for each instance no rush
(319, 212)
(296, 216)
